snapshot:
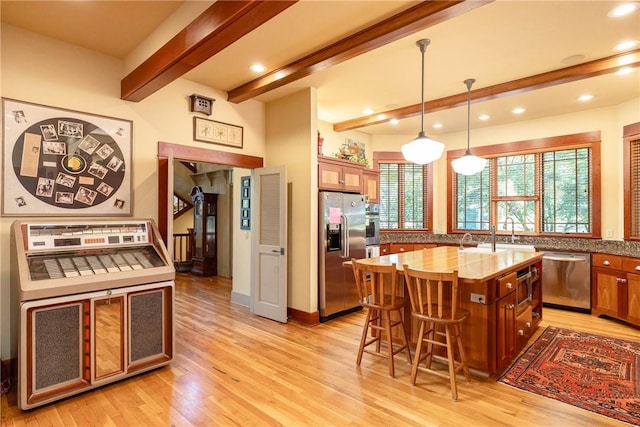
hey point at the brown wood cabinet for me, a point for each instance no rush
(396, 248)
(615, 287)
(505, 329)
(339, 175)
(385, 249)
(371, 185)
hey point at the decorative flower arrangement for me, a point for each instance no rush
(353, 151)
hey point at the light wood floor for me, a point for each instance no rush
(235, 369)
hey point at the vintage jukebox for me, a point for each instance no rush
(96, 305)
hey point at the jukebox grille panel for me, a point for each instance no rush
(57, 355)
(146, 325)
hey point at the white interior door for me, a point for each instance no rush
(269, 234)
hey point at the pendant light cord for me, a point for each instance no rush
(469, 82)
(422, 44)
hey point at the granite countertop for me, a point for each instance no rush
(556, 244)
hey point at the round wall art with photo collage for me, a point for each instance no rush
(68, 162)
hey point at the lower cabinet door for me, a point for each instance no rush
(633, 298)
(506, 329)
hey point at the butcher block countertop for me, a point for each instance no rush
(472, 266)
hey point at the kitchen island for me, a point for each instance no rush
(501, 290)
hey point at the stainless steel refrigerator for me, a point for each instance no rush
(341, 236)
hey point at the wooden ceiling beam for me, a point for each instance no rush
(219, 26)
(416, 18)
(573, 73)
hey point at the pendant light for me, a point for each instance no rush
(422, 150)
(469, 164)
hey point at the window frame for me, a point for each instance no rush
(631, 135)
(590, 140)
(397, 158)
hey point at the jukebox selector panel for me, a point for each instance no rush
(47, 237)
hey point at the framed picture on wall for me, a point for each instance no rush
(60, 162)
(205, 130)
(245, 203)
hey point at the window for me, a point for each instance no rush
(540, 187)
(180, 205)
(631, 135)
(405, 193)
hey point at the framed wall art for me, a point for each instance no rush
(245, 203)
(59, 162)
(205, 130)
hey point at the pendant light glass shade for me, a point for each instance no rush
(423, 149)
(469, 164)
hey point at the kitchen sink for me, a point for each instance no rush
(507, 247)
(482, 249)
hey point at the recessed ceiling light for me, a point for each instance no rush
(367, 111)
(623, 10)
(484, 117)
(628, 44)
(586, 97)
(518, 110)
(437, 125)
(624, 71)
(394, 121)
(573, 59)
(257, 68)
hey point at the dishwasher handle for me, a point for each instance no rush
(564, 259)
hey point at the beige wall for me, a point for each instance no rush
(607, 120)
(45, 71)
(291, 134)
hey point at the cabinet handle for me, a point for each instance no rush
(620, 280)
(510, 306)
(509, 285)
(520, 332)
(605, 262)
(637, 268)
(528, 324)
(401, 249)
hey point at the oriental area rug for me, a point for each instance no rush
(593, 372)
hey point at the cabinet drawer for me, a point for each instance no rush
(606, 260)
(631, 265)
(506, 284)
(417, 246)
(400, 247)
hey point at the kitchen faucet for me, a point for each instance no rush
(513, 225)
(462, 240)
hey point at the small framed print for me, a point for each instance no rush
(245, 224)
(245, 193)
(245, 204)
(205, 130)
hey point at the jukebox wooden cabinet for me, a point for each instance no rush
(205, 258)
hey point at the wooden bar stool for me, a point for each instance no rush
(434, 300)
(379, 296)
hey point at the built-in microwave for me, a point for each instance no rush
(372, 224)
(523, 287)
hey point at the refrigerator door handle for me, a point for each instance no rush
(345, 236)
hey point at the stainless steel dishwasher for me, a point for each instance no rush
(566, 280)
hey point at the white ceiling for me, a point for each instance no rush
(495, 43)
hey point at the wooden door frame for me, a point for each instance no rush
(192, 154)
